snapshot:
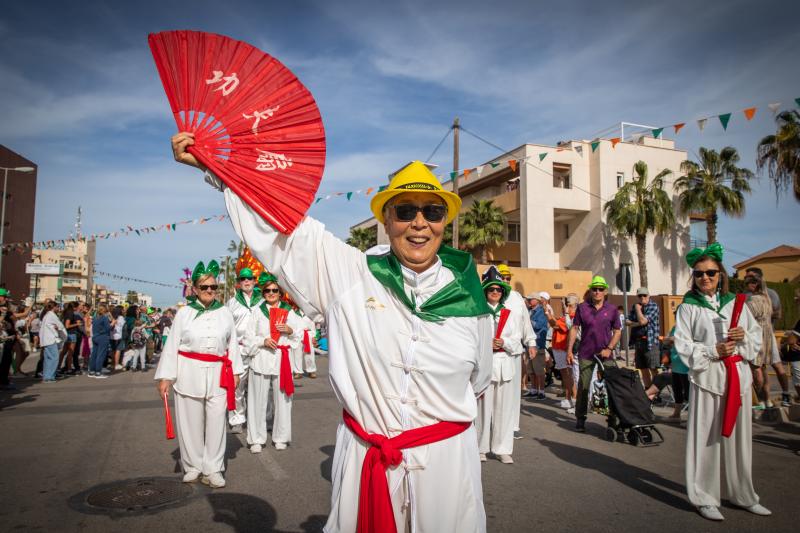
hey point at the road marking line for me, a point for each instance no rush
(266, 459)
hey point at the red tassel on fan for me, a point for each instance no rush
(256, 126)
(168, 416)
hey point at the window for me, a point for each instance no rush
(620, 179)
(562, 176)
(513, 232)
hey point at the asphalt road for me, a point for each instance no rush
(62, 441)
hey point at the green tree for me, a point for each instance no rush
(236, 248)
(482, 226)
(640, 208)
(363, 238)
(780, 153)
(715, 183)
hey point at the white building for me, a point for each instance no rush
(553, 199)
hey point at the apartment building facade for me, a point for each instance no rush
(75, 281)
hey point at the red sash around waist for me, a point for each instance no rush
(285, 382)
(226, 380)
(375, 513)
(733, 394)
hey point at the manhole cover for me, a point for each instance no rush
(135, 496)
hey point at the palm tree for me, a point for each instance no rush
(714, 183)
(482, 226)
(236, 248)
(780, 153)
(363, 238)
(639, 208)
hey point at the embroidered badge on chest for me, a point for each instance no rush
(374, 304)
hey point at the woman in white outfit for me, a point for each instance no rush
(201, 361)
(497, 406)
(270, 369)
(717, 357)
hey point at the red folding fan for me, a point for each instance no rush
(256, 126)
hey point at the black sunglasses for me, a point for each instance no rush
(247, 278)
(431, 212)
(273, 291)
(597, 289)
(208, 287)
(700, 273)
(494, 289)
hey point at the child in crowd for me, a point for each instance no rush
(790, 354)
(137, 347)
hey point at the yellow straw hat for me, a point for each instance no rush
(415, 177)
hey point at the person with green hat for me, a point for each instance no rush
(718, 352)
(496, 408)
(202, 362)
(243, 305)
(597, 322)
(410, 348)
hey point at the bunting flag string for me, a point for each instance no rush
(124, 231)
(135, 280)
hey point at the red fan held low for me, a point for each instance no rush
(256, 126)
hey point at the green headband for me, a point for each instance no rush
(714, 251)
(4, 291)
(265, 278)
(245, 273)
(201, 270)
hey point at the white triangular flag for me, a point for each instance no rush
(774, 107)
(702, 123)
(479, 170)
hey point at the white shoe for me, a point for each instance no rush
(215, 480)
(118, 367)
(710, 512)
(571, 411)
(758, 509)
(505, 459)
(280, 445)
(191, 476)
(100, 376)
(255, 448)
(482, 457)
(565, 404)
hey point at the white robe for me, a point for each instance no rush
(389, 369)
(516, 303)
(265, 370)
(241, 317)
(296, 354)
(697, 332)
(200, 403)
(309, 363)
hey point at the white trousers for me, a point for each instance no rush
(518, 398)
(239, 415)
(495, 421)
(201, 432)
(705, 444)
(309, 361)
(132, 354)
(258, 393)
(296, 357)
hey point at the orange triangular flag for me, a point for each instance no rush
(678, 127)
(369, 191)
(513, 164)
(614, 142)
(749, 113)
(466, 174)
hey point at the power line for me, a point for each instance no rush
(449, 130)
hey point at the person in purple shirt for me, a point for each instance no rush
(598, 323)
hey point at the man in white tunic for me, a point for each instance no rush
(410, 349)
(496, 417)
(202, 363)
(244, 303)
(270, 370)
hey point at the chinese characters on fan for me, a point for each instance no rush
(259, 116)
(230, 82)
(269, 161)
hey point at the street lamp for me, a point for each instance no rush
(3, 214)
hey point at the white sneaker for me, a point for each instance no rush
(758, 509)
(571, 411)
(215, 480)
(710, 512)
(118, 367)
(505, 459)
(565, 404)
(100, 376)
(280, 445)
(255, 448)
(191, 476)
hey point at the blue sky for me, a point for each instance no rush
(80, 96)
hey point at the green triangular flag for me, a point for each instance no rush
(494, 165)
(318, 200)
(382, 188)
(453, 175)
(137, 233)
(724, 119)
(595, 144)
(657, 132)
(542, 156)
(797, 101)
(349, 195)
(173, 227)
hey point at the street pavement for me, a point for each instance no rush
(61, 441)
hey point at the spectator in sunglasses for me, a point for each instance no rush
(242, 305)
(201, 361)
(410, 339)
(717, 356)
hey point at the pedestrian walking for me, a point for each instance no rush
(101, 341)
(645, 329)
(51, 333)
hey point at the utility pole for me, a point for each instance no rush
(455, 179)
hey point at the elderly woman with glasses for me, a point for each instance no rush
(720, 424)
(202, 363)
(410, 350)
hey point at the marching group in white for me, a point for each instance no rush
(425, 359)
